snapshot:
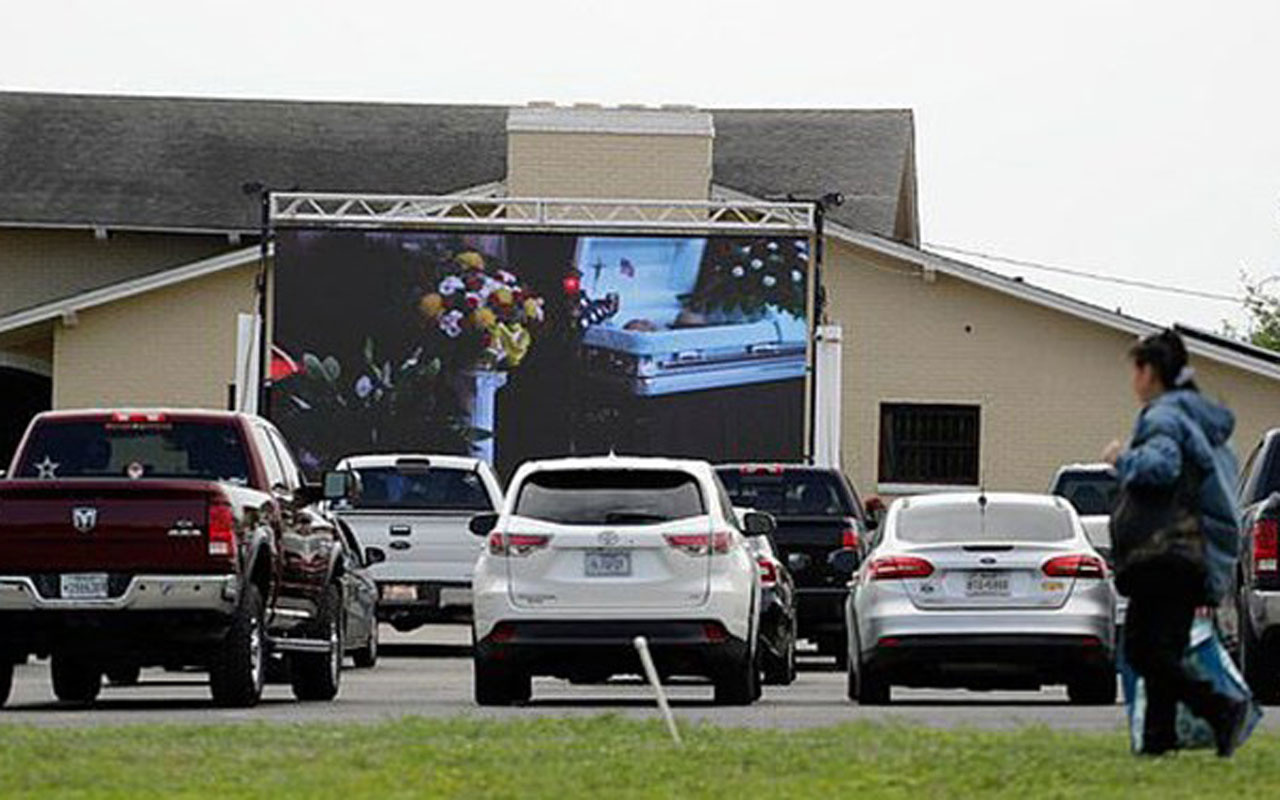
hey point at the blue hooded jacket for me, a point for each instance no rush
(1183, 424)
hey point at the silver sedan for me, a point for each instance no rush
(982, 591)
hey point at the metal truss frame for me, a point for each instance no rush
(320, 209)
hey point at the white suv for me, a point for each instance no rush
(589, 553)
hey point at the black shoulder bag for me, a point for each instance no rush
(1156, 532)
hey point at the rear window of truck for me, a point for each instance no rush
(201, 450)
(788, 493)
(968, 523)
(432, 489)
(610, 497)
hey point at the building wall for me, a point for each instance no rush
(37, 266)
(1053, 388)
(571, 164)
(172, 347)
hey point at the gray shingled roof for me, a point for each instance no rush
(152, 162)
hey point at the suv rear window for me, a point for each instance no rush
(789, 493)
(1093, 492)
(204, 450)
(610, 497)
(433, 489)
(956, 523)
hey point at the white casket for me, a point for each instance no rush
(670, 359)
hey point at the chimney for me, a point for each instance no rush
(593, 152)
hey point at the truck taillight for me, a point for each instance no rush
(697, 544)
(516, 544)
(768, 572)
(222, 529)
(1266, 547)
(1075, 566)
(891, 567)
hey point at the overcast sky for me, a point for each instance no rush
(1139, 139)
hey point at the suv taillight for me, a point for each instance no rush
(890, 567)
(222, 529)
(849, 537)
(1075, 566)
(1266, 548)
(768, 572)
(516, 544)
(697, 544)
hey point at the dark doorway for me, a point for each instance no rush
(23, 394)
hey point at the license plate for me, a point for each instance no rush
(400, 592)
(987, 584)
(608, 564)
(84, 586)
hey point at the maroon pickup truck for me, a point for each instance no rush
(166, 538)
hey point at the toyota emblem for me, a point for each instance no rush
(84, 518)
(608, 538)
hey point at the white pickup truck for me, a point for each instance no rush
(416, 508)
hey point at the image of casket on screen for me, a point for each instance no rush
(654, 344)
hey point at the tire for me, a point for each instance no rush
(738, 685)
(867, 687)
(318, 676)
(367, 657)
(6, 680)
(238, 669)
(1096, 687)
(76, 680)
(781, 671)
(124, 675)
(500, 684)
(1260, 666)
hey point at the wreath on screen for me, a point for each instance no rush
(747, 279)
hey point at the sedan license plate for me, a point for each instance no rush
(400, 592)
(84, 586)
(608, 564)
(987, 584)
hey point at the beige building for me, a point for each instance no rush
(129, 249)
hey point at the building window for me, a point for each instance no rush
(929, 444)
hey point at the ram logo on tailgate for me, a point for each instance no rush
(84, 518)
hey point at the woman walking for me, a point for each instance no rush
(1176, 537)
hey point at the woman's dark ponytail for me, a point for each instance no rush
(1166, 353)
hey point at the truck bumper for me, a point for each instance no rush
(216, 593)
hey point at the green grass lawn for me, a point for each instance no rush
(606, 757)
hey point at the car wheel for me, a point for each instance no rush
(124, 675)
(238, 669)
(867, 687)
(75, 679)
(1096, 687)
(500, 684)
(6, 680)
(739, 685)
(367, 657)
(318, 676)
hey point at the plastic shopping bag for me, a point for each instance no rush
(1209, 661)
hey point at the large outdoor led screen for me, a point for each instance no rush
(519, 345)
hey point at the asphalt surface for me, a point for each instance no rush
(428, 674)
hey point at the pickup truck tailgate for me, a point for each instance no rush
(108, 525)
(424, 545)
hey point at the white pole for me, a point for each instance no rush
(651, 672)
(828, 411)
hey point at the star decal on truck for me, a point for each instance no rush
(47, 469)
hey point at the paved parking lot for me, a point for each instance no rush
(429, 674)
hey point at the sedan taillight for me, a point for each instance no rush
(890, 567)
(516, 544)
(1075, 566)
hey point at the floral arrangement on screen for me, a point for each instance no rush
(481, 310)
(743, 280)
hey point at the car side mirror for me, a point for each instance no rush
(483, 524)
(342, 484)
(845, 561)
(374, 555)
(759, 523)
